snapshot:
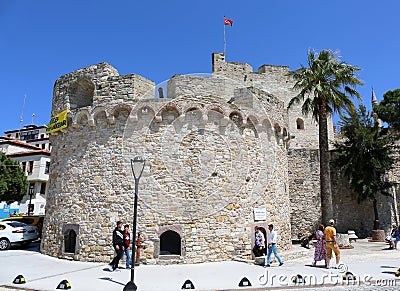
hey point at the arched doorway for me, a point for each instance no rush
(70, 244)
(170, 243)
(70, 241)
(264, 233)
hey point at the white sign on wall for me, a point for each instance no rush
(260, 213)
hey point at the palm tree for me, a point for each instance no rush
(325, 87)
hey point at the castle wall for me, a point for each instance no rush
(209, 163)
(214, 210)
(87, 190)
(216, 148)
(359, 217)
(275, 81)
(304, 189)
(303, 168)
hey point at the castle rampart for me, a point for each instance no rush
(218, 147)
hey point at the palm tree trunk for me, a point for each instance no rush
(325, 179)
(376, 221)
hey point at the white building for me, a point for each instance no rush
(31, 134)
(31, 148)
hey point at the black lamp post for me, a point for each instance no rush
(31, 192)
(137, 165)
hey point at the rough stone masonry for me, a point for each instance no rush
(217, 148)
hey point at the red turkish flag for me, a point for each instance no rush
(228, 21)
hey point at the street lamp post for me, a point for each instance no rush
(137, 165)
(31, 192)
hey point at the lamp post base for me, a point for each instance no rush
(130, 286)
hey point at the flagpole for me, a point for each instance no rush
(224, 38)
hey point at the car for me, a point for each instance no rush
(32, 220)
(15, 232)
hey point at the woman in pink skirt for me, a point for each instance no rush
(320, 252)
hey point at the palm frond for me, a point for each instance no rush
(326, 78)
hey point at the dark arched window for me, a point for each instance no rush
(70, 241)
(170, 243)
(299, 123)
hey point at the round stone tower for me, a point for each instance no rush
(216, 152)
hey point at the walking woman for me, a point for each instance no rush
(320, 252)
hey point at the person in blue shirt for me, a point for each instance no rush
(272, 246)
(127, 246)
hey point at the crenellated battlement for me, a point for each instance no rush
(165, 111)
(97, 85)
(98, 95)
(219, 65)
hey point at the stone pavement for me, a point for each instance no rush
(372, 264)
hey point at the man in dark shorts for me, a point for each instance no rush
(118, 240)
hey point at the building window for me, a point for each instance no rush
(299, 123)
(42, 135)
(47, 168)
(23, 165)
(43, 188)
(29, 135)
(170, 243)
(30, 167)
(43, 145)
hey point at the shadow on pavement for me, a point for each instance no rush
(391, 267)
(316, 266)
(111, 280)
(32, 247)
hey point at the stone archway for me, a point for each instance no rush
(70, 244)
(170, 243)
(70, 241)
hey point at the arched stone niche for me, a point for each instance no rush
(170, 243)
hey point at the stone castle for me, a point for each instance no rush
(223, 154)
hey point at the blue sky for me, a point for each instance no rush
(43, 40)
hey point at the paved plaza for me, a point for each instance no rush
(372, 263)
